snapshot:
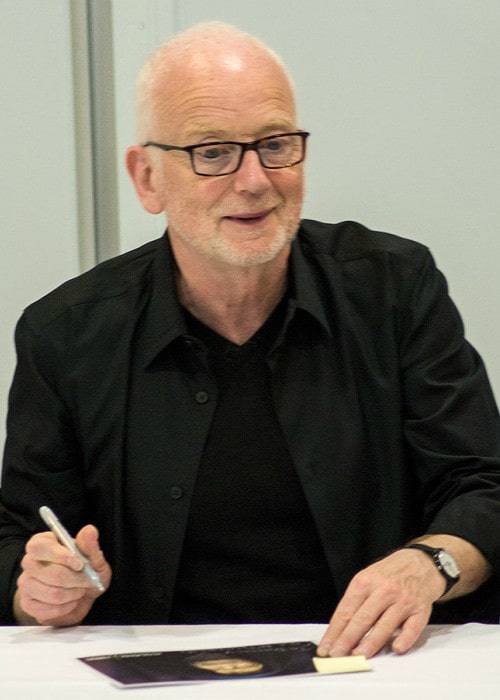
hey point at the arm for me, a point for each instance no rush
(452, 435)
(43, 463)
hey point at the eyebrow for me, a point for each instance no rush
(199, 135)
(205, 134)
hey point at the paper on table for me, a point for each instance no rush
(193, 665)
(342, 664)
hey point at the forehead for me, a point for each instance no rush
(233, 94)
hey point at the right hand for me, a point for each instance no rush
(52, 589)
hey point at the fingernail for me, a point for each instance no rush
(398, 648)
(336, 652)
(76, 564)
(323, 650)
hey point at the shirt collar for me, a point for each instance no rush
(164, 319)
(304, 284)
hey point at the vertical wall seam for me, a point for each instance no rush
(83, 135)
(105, 182)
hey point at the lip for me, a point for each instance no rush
(249, 217)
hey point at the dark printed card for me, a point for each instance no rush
(190, 666)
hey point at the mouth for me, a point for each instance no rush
(249, 218)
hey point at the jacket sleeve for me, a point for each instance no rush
(451, 421)
(42, 464)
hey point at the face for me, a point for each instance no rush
(245, 218)
(229, 666)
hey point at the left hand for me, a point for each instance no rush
(395, 593)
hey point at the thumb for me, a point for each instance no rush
(87, 541)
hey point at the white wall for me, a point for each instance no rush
(403, 101)
(39, 242)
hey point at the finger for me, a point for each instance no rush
(42, 591)
(374, 625)
(366, 600)
(411, 630)
(58, 605)
(386, 626)
(355, 614)
(46, 603)
(45, 547)
(45, 613)
(360, 624)
(87, 542)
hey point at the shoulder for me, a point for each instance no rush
(114, 281)
(370, 268)
(364, 260)
(350, 240)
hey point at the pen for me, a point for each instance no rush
(65, 538)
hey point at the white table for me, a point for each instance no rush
(449, 663)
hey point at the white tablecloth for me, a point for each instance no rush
(449, 663)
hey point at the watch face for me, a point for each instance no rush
(449, 564)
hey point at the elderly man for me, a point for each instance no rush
(265, 419)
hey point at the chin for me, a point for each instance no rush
(251, 253)
(239, 258)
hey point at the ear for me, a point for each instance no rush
(142, 173)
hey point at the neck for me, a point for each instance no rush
(237, 302)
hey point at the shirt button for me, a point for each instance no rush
(176, 492)
(201, 397)
(158, 592)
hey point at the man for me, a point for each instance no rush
(257, 413)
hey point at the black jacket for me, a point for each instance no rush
(386, 409)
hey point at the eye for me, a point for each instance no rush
(210, 153)
(215, 151)
(274, 145)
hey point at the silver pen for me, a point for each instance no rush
(65, 538)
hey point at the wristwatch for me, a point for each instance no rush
(445, 563)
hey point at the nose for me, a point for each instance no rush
(251, 175)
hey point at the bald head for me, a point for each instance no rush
(204, 53)
(203, 94)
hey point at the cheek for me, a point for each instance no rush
(187, 194)
(291, 184)
(293, 192)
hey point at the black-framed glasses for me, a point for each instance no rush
(225, 157)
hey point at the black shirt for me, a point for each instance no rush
(251, 551)
(385, 409)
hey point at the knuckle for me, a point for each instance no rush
(37, 547)
(361, 582)
(56, 596)
(344, 616)
(26, 563)
(384, 628)
(391, 588)
(31, 546)
(59, 576)
(364, 618)
(45, 613)
(407, 600)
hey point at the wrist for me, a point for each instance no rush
(444, 562)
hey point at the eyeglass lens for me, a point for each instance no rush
(280, 151)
